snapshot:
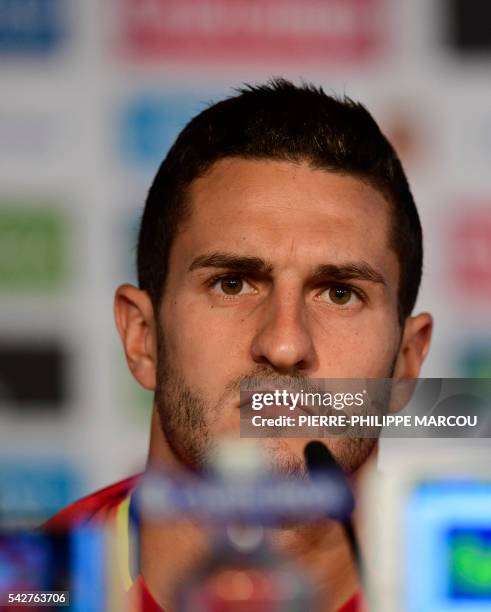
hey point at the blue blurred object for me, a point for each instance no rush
(150, 122)
(31, 27)
(266, 500)
(89, 559)
(470, 564)
(448, 544)
(74, 563)
(33, 490)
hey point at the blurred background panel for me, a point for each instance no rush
(93, 94)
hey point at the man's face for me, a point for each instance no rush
(280, 271)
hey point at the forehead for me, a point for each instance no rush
(277, 209)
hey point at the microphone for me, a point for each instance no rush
(320, 462)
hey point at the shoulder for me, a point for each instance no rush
(355, 604)
(97, 507)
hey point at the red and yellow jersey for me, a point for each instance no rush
(111, 507)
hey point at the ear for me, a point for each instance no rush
(135, 321)
(414, 347)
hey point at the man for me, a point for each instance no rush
(279, 239)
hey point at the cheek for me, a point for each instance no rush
(357, 349)
(205, 345)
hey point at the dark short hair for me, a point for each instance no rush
(280, 121)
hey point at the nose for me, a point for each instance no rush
(283, 340)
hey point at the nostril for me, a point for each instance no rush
(284, 356)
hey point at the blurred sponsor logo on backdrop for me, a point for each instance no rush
(475, 358)
(151, 121)
(33, 377)
(32, 490)
(31, 26)
(32, 247)
(470, 252)
(252, 30)
(469, 25)
(405, 119)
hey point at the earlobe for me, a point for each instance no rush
(415, 345)
(135, 321)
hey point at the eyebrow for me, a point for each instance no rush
(348, 271)
(234, 261)
(255, 265)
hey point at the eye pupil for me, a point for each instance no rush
(339, 295)
(231, 286)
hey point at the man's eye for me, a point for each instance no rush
(341, 296)
(232, 285)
